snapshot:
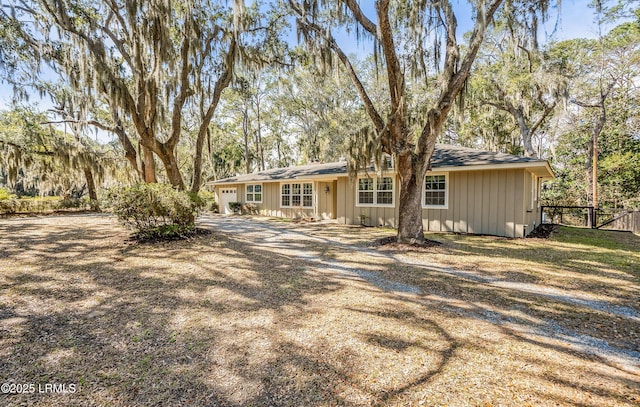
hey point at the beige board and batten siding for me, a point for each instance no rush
(218, 192)
(241, 193)
(271, 203)
(532, 200)
(488, 202)
(481, 202)
(349, 213)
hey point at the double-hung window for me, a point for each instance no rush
(298, 194)
(254, 193)
(375, 191)
(435, 191)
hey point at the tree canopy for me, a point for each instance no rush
(210, 89)
(400, 32)
(147, 63)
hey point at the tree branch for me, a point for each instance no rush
(89, 122)
(185, 89)
(454, 80)
(119, 44)
(221, 84)
(368, 103)
(482, 19)
(528, 57)
(394, 74)
(364, 21)
(584, 104)
(547, 111)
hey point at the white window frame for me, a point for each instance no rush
(534, 191)
(375, 192)
(302, 194)
(446, 191)
(246, 193)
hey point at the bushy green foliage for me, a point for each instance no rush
(155, 210)
(14, 205)
(235, 206)
(68, 203)
(5, 194)
(208, 199)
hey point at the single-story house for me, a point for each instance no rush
(466, 191)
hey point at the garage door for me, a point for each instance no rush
(227, 195)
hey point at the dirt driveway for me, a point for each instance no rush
(268, 313)
(312, 242)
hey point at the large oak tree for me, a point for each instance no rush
(519, 80)
(147, 62)
(414, 40)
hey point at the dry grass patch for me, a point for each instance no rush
(304, 315)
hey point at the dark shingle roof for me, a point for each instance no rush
(301, 171)
(445, 155)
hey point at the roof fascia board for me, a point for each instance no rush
(451, 168)
(505, 166)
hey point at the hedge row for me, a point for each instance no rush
(45, 204)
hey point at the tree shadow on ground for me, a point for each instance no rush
(213, 321)
(223, 320)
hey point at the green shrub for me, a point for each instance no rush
(8, 206)
(154, 210)
(208, 199)
(68, 203)
(5, 194)
(235, 206)
(33, 204)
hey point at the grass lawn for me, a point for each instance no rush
(242, 319)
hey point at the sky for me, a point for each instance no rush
(576, 20)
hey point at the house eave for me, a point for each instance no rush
(540, 168)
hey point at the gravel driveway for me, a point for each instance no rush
(294, 241)
(305, 243)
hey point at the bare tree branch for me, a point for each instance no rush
(364, 21)
(368, 103)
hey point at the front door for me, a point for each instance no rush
(227, 195)
(326, 192)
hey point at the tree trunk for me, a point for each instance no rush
(245, 133)
(602, 119)
(148, 165)
(279, 152)
(259, 134)
(410, 228)
(525, 133)
(91, 187)
(197, 162)
(129, 150)
(170, 161)
(222, 83)
(589, 180)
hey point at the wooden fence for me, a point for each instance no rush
(627, 221)
(587, 216)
